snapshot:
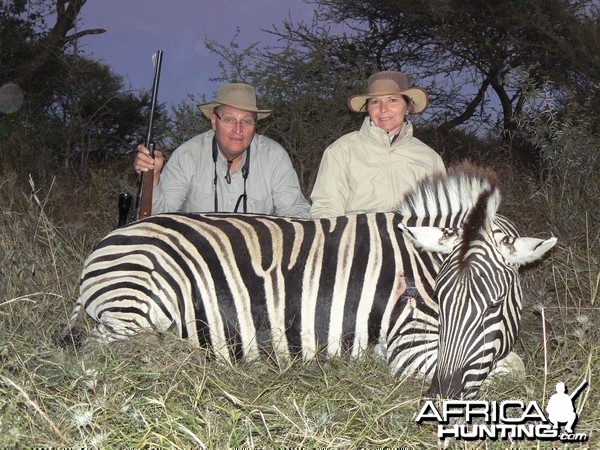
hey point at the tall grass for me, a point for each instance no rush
(158, 392)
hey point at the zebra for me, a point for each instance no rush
(433, 286)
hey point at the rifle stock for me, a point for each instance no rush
(146, 186)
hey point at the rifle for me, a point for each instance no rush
(578, 390)
(143, 206)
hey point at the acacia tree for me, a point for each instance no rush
(80, 110)
(480, 60)
(39, 44)
(472, 54)
(92, 114)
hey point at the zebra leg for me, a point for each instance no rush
(119, 324)
(109, 331)
(111, 326)
(71, 335)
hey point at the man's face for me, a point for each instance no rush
(388, 112)
(233, 137)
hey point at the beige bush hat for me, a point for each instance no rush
(389, 82)
(237, 95)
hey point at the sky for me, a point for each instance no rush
(136, 29)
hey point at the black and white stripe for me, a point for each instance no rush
(246, 285)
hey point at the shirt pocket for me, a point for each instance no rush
(198, 201)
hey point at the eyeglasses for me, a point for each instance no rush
(231, 122)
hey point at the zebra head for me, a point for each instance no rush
(478, 291)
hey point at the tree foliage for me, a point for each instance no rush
(40, 44)
(476, 53)
(101, 119)
(481, 61)
(76, 110)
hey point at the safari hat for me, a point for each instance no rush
(389, 82)
(238, 96)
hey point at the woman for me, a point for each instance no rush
(370, 170)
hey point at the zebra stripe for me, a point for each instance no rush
(247, 285)
(162, 261)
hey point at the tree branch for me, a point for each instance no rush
(469, 110)
(79, 34)
(55, 40)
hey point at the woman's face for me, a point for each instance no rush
(388, 112)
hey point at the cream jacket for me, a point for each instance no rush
(362, 172)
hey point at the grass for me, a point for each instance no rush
(158, 392)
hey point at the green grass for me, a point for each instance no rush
(158, 392)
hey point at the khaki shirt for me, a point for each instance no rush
(187, 180)
(362, 172)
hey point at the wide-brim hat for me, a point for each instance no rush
(389, 82)
(238, 96)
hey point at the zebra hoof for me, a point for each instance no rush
(512, 365)
(71, 337)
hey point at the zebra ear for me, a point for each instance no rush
(432, 239)
(525, 250)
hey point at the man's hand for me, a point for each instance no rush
(144, 162)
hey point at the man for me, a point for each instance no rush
(229, 168)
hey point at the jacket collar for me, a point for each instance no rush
(380, 137)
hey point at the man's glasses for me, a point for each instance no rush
(231, 122)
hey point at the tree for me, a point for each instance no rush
(76, 109)
(39, 45)
(480, 60)
(468, 49)
(95, 117)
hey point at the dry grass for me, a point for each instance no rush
(157, 391)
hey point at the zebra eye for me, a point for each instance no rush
(449, 232)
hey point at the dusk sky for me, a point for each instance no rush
(135, 29)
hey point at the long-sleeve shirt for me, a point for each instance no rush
(187, 180)
(364, 172)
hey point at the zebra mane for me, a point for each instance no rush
(477, 219)
(466, 196)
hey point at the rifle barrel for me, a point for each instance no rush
(157, 66)
(578, 390)
(144, 197)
